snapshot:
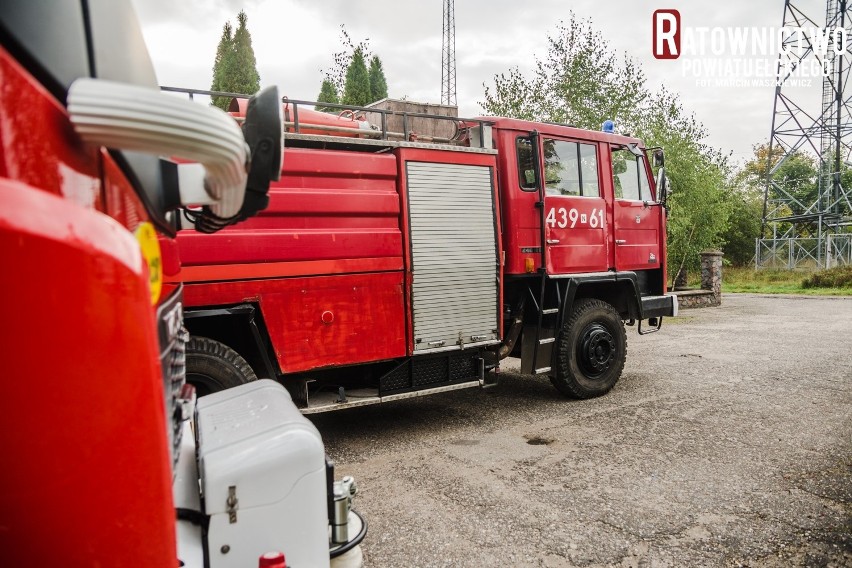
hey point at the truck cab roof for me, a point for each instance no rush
(554, 129)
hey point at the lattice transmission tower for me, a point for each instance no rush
(448, 56)
(807, 223)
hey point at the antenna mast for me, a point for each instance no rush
(808, 223)
(448, 68)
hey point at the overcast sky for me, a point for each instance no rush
(294, 39)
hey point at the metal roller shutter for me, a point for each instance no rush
(454, 255)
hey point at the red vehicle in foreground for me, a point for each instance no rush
(391, 265)
(95, 413)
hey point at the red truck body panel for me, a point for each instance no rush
(643, 230)
(334, 243)
(80, 354)
(330, 241)
(365, 313)
(327, 206)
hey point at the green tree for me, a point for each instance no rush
(349, 71)
(235, 67)
(794, 177)
(514, 96)
(755, 170)
(745, 196)
(356, 90)
(582, 81)
(225, 47)
(745, 224)
(378, 82)
(699, 177)
(328, 94)
(336, 75)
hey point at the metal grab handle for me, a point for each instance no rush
(620, 242)
(553, 241)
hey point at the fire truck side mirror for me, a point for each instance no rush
(662, 187)
(264, 134)
(659, 158)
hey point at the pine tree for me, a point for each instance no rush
(378, 82)
(328, 94)
(235, 67)
(226, 46)
(343, 58)
(356, 91)
(244, 77)
(347, 74)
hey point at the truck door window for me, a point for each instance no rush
(589, 170)
(570, 168)
(526, 168)
(629, 177)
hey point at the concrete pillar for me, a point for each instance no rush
(711, 273)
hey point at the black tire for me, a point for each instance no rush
(591, 350)
(212, 366)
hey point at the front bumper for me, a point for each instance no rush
(659, 306)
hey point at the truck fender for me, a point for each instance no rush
(239, 327)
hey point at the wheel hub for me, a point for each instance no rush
(204, 384)
(596, 350)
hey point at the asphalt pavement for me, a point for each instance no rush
(727, 442)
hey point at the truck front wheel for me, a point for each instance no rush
(212, 366)
(591, 350)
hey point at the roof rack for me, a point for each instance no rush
(467, 132)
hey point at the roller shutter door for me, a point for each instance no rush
(454, 255)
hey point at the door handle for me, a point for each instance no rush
(553, 241)
(620, 242)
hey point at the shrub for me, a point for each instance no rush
(838, 277)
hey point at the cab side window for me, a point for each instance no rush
(629, 177)
(570, 168)
(526, 167)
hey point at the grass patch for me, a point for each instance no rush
(834, 282)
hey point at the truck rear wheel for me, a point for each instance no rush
(591, 350)
(212, 366)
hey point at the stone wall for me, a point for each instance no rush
(710, 293)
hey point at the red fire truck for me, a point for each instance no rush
(390, 264)
(95, 412)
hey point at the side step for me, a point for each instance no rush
(543, 348)
(327, 401)
(539, 336)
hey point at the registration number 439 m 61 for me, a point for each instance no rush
(570, 218)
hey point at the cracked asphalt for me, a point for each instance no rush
(727, 442)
